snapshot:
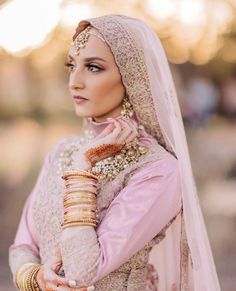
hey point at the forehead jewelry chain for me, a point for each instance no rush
(82, 38)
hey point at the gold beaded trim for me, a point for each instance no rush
(110, 167)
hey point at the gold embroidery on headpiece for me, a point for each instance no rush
(82, 38)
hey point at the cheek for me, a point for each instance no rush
(107, 88)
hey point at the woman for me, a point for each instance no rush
(133, 158)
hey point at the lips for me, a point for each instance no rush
(77, 97)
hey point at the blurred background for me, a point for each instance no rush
(36, 110)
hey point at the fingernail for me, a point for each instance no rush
(72, 283)
(109, 119)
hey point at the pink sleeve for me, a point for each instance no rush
(25, 234)
(140, 211)
(25, 246)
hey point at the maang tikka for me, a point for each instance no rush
(82, 38)
(127, 109)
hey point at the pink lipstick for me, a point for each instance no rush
(78, 99)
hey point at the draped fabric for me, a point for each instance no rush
(149, 85)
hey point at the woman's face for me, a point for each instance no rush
(94, 75)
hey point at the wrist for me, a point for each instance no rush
(26, 277)
(83, 164)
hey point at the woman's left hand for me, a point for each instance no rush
(109, 142)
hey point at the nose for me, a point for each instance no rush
(76, 81)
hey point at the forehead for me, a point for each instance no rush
(93, 47)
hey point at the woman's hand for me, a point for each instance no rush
(47, 276)
(109, 142)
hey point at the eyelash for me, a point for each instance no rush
(70, 66)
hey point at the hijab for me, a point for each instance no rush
(149, 86)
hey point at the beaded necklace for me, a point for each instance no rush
(108, 168)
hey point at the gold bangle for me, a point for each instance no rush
(76, 190)
(78, 201)
(75, 202)
(26, 277)
(85, 202)
(87, 173)
(81, 210)
(84, 220)
(87, 219)
(80, 213)
(69, 183)
(32, 282)
(79, 216)
(73, 196)
(79, 223)
(82, 193)
(80, 173)
(79, 197)
(80, 179)
(20, 272)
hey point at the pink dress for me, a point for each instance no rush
(135, 210)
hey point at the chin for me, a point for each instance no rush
(81, 112)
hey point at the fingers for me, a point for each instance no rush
(120, 132)
(52, 280)
(64, 288)
(108, 129)
(40, 278)
(112, 136)
(61, 280)
(56, 266)
(124, 131)
(128, 133)
(134, 132)
(51, 287)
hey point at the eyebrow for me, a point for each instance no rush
(89, 59)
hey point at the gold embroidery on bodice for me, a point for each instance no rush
(48, 212)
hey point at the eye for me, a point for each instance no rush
(70, 66)
(93, 68)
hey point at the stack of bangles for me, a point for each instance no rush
(80, 199)
(26, 277)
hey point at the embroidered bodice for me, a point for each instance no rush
(86, 246)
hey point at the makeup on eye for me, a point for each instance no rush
(91, 66)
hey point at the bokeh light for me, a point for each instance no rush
(72, 12)
(26, 23)
(190, 30)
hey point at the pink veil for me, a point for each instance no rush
(146, 75)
